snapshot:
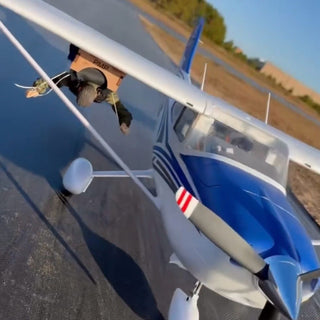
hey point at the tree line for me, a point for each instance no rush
(308, 100)
(190, 11)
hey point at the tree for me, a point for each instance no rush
(229, 45)
(214, 29)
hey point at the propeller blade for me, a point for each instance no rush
(219, 232)
(311, 275)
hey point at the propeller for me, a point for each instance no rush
(278, 279)
(219, 232)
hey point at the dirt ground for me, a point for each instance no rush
(304, 184)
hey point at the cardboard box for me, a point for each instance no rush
(85, 60)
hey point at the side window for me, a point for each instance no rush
(184, 123)
(176, 111)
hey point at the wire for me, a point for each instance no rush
(44, 94)
(23, 87)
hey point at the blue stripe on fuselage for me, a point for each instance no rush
(258, 211)
(161, 155)
(176, 167)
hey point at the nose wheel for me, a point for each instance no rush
(184, 307)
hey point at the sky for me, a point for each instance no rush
(284, 32)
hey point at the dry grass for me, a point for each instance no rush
(306, 187)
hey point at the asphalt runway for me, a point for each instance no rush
(103, 254)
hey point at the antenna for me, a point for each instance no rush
(268, 108)
(204, 76)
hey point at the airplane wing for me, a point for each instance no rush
(94, 42)
(147, 72)
(300, 152)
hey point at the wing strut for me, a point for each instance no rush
(75, 111)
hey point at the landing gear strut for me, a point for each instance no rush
(197, 288)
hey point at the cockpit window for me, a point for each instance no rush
(176, 111)
(227, 136)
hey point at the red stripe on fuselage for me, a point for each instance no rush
(181, 196)
(186, 204)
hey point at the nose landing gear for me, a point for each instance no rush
(184, 307)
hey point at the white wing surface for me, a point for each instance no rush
(147, 72)
(301, 153)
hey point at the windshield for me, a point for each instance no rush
(238, 140)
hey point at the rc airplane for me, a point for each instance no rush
(220, 179)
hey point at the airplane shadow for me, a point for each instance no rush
(42, 137)
(47, 223)
(122, 272)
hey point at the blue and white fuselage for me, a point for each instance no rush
(251, 199)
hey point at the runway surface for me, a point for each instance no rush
(103, 254)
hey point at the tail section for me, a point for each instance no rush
(191, 47)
